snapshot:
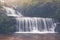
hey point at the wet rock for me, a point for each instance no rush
(57, 29)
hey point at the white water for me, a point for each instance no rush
(35, 25)
(12, 12)
(31, 24)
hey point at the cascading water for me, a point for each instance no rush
(35, 25)
(31, 24)
(12, 12)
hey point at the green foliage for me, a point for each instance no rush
(41, 9)
(7, 24)
(57, 13)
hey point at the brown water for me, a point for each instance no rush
(30, 37)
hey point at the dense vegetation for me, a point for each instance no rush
(40, 8)
(31, 8)
(7, 24)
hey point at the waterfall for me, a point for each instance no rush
(31, 24)
(12, 12)
(35, 25)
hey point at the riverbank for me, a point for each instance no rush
(30, 37)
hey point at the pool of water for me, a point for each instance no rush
(29, 36)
